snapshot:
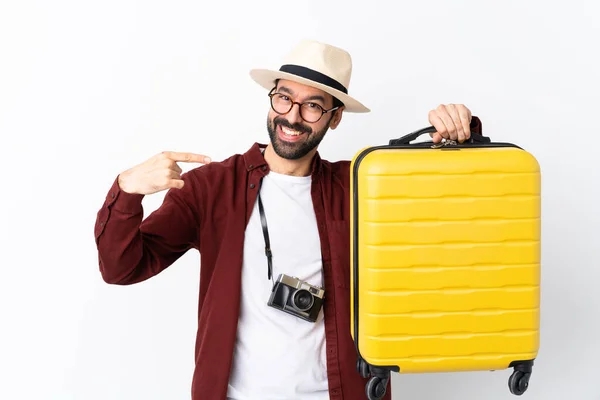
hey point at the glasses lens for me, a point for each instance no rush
(281, 103)
(311, 112)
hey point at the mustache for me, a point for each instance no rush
(297, 126)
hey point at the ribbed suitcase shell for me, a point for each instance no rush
(447, 249)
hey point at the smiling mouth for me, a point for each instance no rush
(290, 132)
(289, 135)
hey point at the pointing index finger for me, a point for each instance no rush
(187, 157)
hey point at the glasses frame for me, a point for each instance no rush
(323, 111)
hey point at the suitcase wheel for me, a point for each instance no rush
(518, 382)
(376, 388)
(363, 368)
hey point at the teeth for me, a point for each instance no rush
(289, 131)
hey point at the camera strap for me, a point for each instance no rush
(263, 222)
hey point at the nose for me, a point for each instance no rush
(293, 116)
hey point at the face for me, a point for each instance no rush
(291, 136)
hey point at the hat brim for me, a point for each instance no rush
(266, 78)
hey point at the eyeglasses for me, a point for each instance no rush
(309, 111)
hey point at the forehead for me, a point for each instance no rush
(300, 90)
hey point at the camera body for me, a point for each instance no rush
(297, 297)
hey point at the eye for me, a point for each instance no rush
(313, 105)
(284, 97)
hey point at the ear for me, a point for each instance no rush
(337, 118)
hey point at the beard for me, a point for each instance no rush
(294, 150)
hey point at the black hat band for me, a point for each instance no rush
(313, 76)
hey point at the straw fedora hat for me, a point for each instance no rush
(317, 65)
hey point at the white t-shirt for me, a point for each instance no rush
(277, 355)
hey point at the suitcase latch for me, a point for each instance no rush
(443, 143)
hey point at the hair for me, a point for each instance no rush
(337, 102)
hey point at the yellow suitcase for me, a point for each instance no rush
(445, 255)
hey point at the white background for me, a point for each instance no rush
(89, 89)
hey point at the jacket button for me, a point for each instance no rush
(252, 186)
(251, 166)
(264, 168)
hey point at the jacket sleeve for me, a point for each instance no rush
(130, 249)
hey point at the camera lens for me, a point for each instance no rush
(303, 300)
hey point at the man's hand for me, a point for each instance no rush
(158, 173)
(451, 121)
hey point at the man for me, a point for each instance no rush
(246, 347)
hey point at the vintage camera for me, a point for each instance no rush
(297, 297)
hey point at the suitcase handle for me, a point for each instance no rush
(406, 139)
